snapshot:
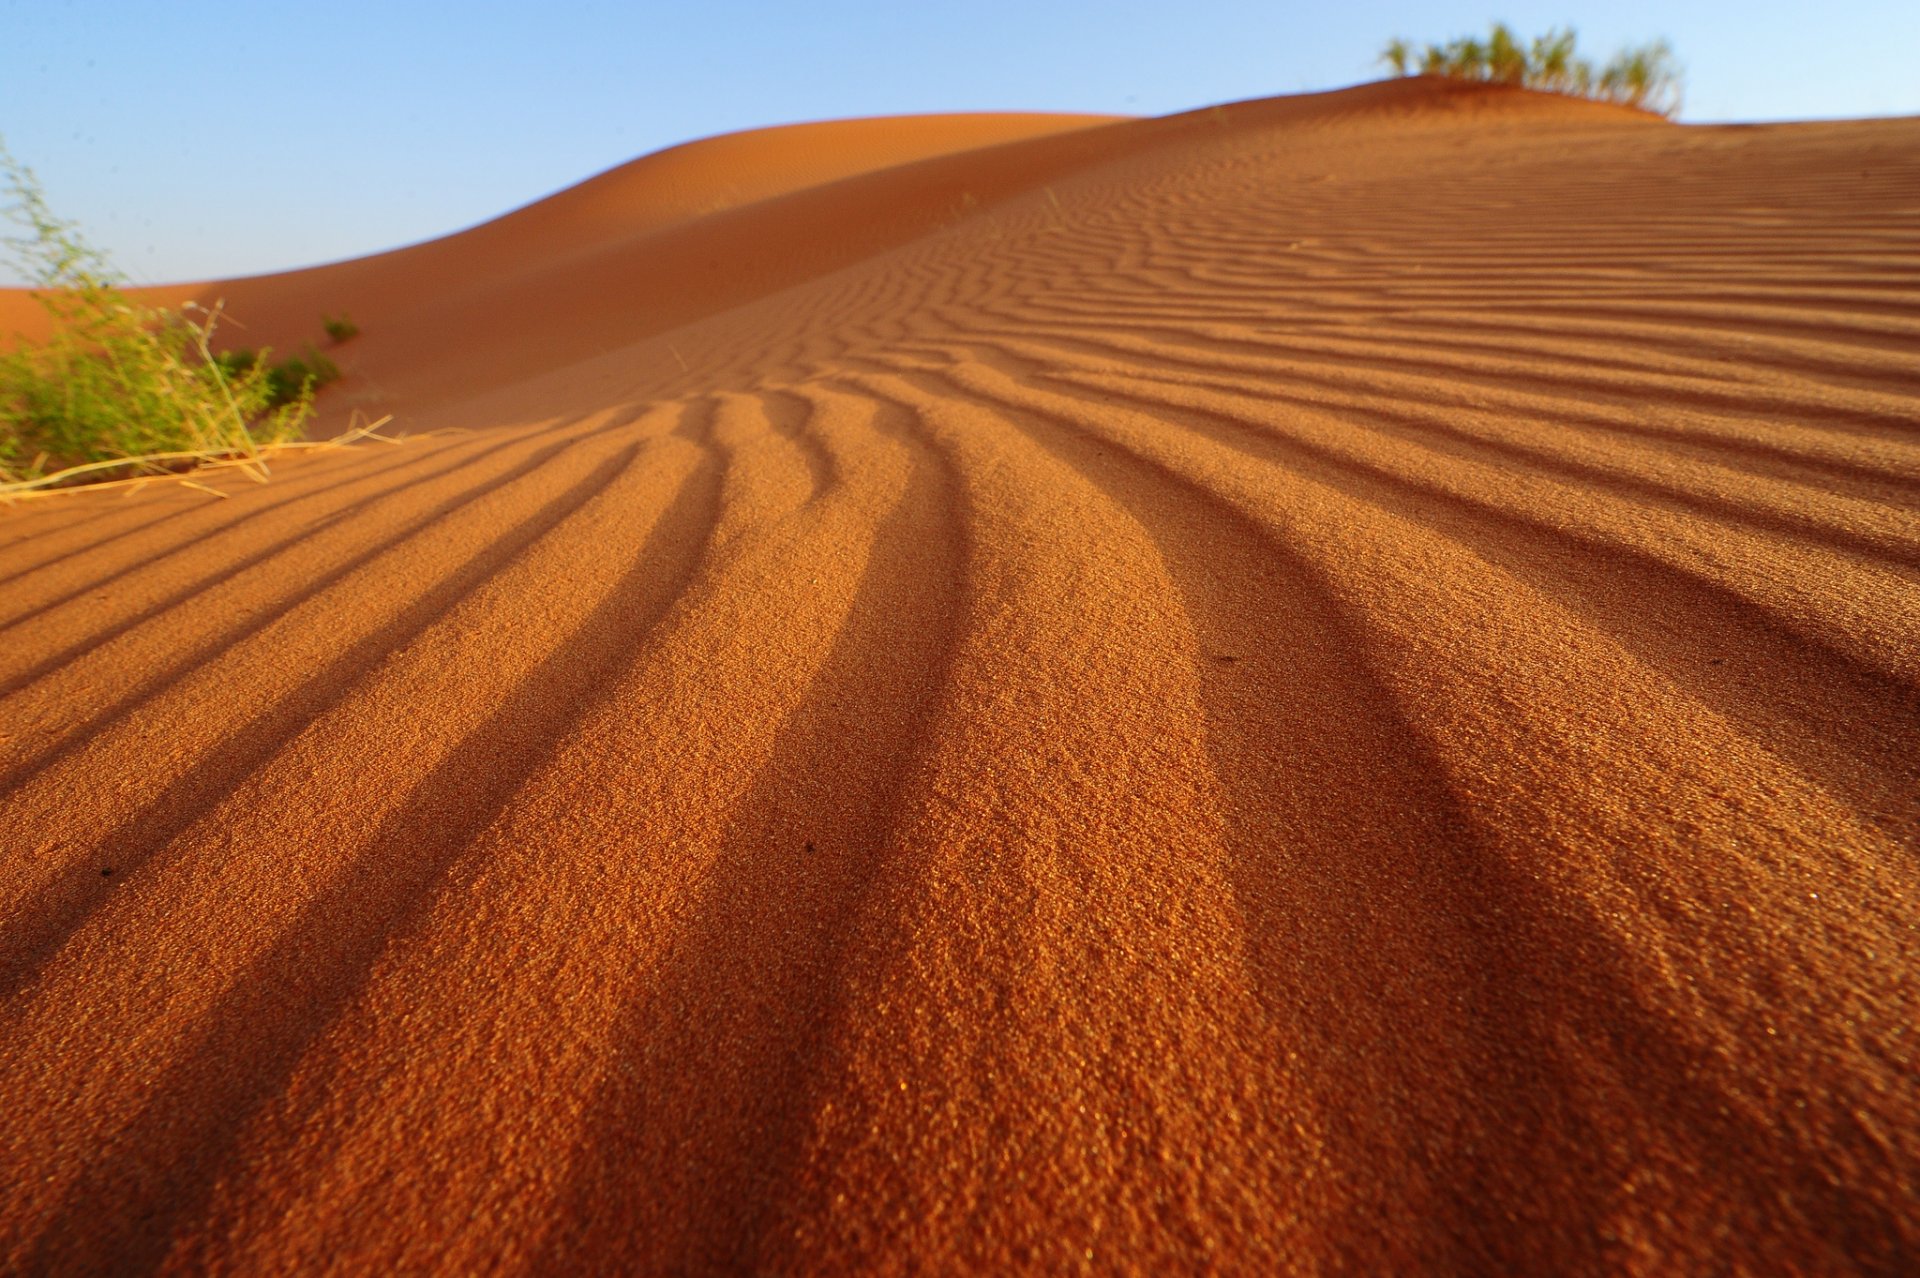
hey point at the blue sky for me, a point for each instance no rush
(194, 140)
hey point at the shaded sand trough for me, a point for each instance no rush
(1324, 685)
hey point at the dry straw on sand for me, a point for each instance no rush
(189, 467)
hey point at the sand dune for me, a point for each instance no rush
(1325, 685)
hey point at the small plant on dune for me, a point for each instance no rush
(288, 380)
(339, 328)
(1506, 56)
(1645, 76)
(1551, 63)
(119, 385)
(1465, 59)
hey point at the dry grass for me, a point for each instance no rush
(186, 466)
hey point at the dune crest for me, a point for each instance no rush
(1326, 684)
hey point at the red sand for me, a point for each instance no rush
(1326, 685)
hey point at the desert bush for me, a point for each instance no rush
(287, 380)
(120, 385)
(339, 328)
(1645, 76)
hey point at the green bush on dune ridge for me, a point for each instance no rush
(1644, 76)
(122, 387)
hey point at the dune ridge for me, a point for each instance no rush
(1323, 685)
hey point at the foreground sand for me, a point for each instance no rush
(1327, 685)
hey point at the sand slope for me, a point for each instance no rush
(1329, 685)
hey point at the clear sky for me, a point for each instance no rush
(193, 139)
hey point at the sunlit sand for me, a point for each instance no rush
(1328, 684)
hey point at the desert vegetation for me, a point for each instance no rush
(340, 328)
(120, 387)
(287, 379)
(1645, 76)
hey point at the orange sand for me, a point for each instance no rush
(1326, 685)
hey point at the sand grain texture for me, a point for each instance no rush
(1329, 685)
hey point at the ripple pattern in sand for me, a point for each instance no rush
(1302, 693)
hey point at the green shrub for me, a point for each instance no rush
(1644, 76)
(339, 328)
(120, 385)
(287, 381)
(303, 374)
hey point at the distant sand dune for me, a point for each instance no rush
(1329, 684)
